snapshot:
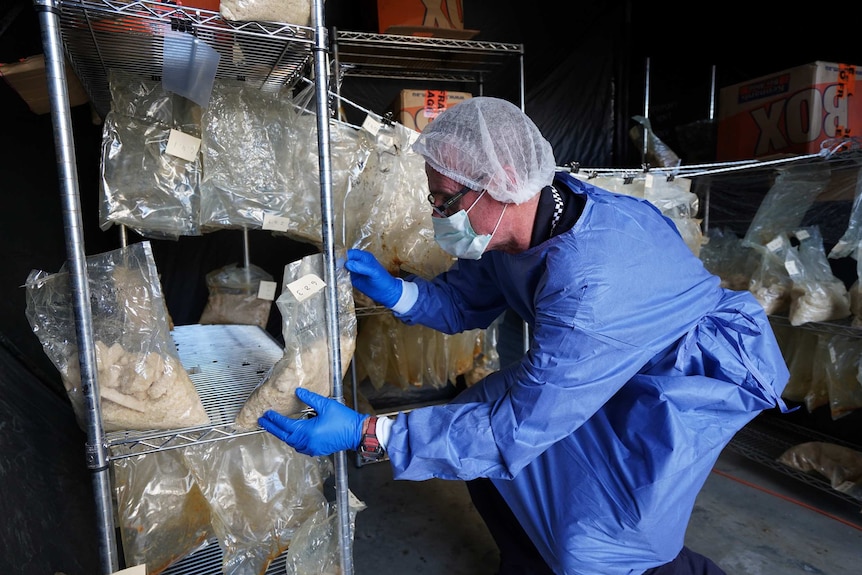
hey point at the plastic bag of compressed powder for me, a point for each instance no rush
(142, 383)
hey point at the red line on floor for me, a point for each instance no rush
(789, 499)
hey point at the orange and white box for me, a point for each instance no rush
(790, 112)
(417, 108)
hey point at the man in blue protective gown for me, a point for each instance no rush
(640, 366)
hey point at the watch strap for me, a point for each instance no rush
(370, 449)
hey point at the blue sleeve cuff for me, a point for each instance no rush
(409, 295)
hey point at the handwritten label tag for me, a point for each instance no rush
(802, 235)
(305, 287)
(183, 146)
(791, 268)
(276, 223)
(266, 290)
(775, 244)
(371, 125)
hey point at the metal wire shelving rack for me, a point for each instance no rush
(99, 35)
(96, 36)
(390, 56)
(766, 438)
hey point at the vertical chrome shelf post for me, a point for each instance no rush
(96, 446)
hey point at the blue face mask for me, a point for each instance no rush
(456, 236)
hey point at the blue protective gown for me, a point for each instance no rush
(640, 370)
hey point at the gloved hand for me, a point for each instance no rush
(372, 279)
(336, 427)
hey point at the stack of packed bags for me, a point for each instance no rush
(253, 493)
(786, 267)
(257, 167)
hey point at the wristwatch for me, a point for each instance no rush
(370, 449)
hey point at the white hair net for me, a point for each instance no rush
(489, 144)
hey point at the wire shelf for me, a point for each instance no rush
(225, 363)
(842, 327)
(100, 35)
(209, 559)
(391, 56)
(765, 439)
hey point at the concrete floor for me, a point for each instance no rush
(751, 520)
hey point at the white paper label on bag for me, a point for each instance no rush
(266, 290)
(371, 125)
(775, 244)
(791, 268)
(275, 223)
(183, 146)
(136, 570)
(305, 287)
(802, 235)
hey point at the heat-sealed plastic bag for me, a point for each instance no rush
(391, 219)
(163, 515)
(848, 245)
(770, 283)
(306, 360)
(487, 360)
(234, 296)
(247, 133)
(787, 201)
(799, 346)
(143, 185)
(260, 491)
(840, 465)
(349, 150)
(817, 295)
(288, 11)
(855, 290)
(842, 375)
(817, 394)
(675, 200)
(315, 549)
(725, 255)
(390, 215)
(657, 152)
(411, 356)
(142, 383)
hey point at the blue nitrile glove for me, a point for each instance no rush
(336, 427)
(372, 279)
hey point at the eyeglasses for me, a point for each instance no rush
(443, 208)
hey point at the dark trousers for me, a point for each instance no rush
(518, 555)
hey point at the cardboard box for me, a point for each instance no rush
(417, 108)
(426, 13)
(790, 112)
(27, 77)
(430, 18)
